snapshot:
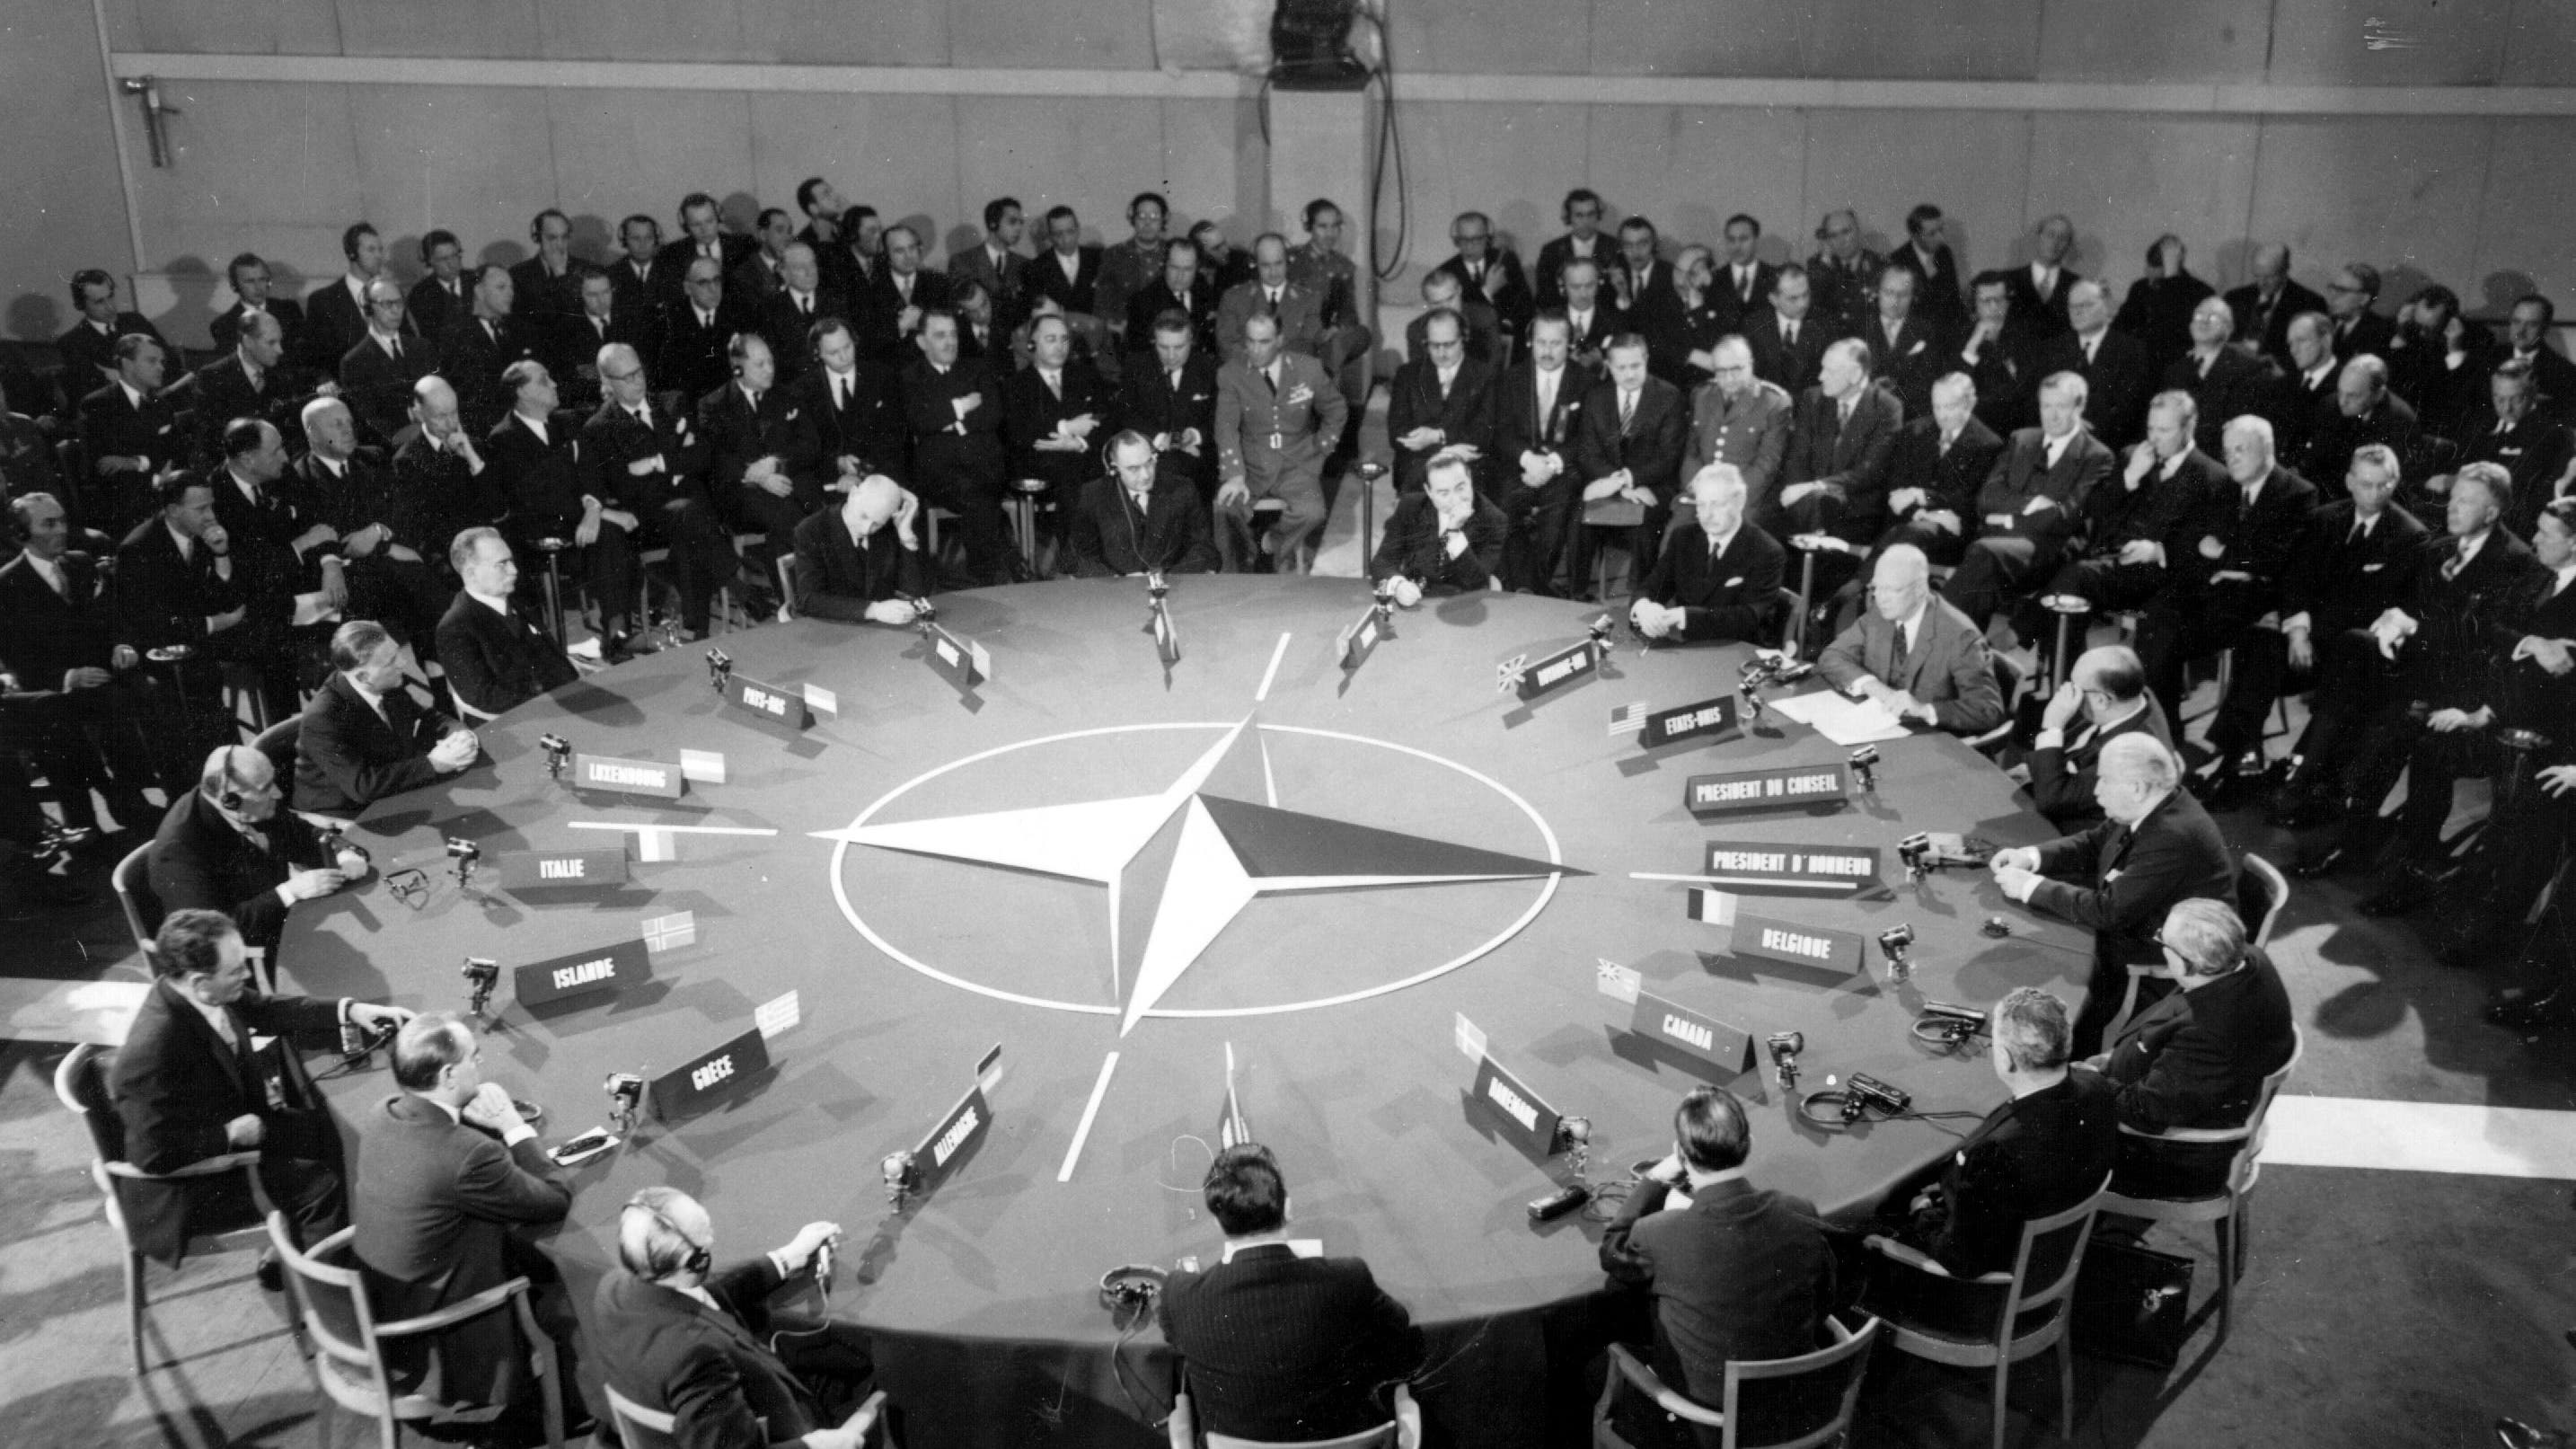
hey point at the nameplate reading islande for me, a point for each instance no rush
(1780, 787)
(628, 777)
(769, 702)
(608, 969)
(1708, 717)
(1743, 865)
(564, 870)
(1523, 1116)
(712, 1079)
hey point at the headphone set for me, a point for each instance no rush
(657, 1261)
(1132, 1288)
(231, 796)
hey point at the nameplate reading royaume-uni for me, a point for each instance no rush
(1779, 787)
(563, 870)
(785, 707)
(1558, 670)
(628, 777)
(712, 1079)
(603, 969)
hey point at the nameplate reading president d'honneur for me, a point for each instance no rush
(1780, 787)
(1708, 717)
(770, 702)
(1520, 1113)
(1821, 869)
(1779, 940)
(563, 870)
(627, 777)
(712, 1079)
(607, 968)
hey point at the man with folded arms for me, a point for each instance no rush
(364, 737)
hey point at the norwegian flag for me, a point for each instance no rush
(662, 933)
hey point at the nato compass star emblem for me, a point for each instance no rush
(1229, 851)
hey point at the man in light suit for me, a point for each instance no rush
(447, 1171)
(2031, 505)
(2155, 846)
(1717, 580)
(1914, 653)
(363, 737)
(1278, 416)
(1276, 1345)
(1300, 312)
(1739, 419)
(1627, 448)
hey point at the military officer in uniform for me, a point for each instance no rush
(1739, 419)
(1278, 416)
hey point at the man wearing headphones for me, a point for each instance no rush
(230, 846)
(676, 1335)
(1141, 515)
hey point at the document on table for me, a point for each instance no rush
(1844, 721)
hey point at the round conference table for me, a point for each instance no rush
(1366, 858)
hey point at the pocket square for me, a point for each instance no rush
(2372, 568)
(794, 413)
(1736, 582)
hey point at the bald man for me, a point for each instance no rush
(2103, 697)
(2118, 377)
(862, 562)
(1914, 653)
(230, 845)
(442, 483)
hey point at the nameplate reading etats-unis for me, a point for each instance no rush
(564, 870)
(1669, 726)
(603, 969)
(1780, 787)
(628, 777)
(711, 1080)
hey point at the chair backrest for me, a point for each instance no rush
(638, 1426)
(2052, 1249)
(1381, 1437)
(133, 881)
(786, 586)
(331, 1301)
(2261, 892)
(1797, 1402)
(80, 1081)
(464, 711)
(278, 743)
(2249, 1158)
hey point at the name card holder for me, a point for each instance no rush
(1806, 869)
(1726, 1047)
(1708, 717)
(1522, 1116)
(1575, 662)
(1776, 788)
(711, 1080)
(604, 971)
(628, 777)
(769, 703)
(564, 870)
(964, 663)
(1359, 639)
(1774, 939)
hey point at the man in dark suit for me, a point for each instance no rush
(697, 327)
(1934, 471)
(249, 279)
(177, 583)
(1583, 241)
(2365, 413)
(1536, 405)
(1926, 253)
(2103, 697)
(1176, 289)
(1743, 1273)
(995, 263)
(702, 235)
(1844, 273)
(571, 347)
(230, 845)
(364, 737)
(2128, 519)
(1717, 580)
(1592, 314)
(1440, 403)
(1441, 539)
(1069, 271)
(2225, 379)
(2526, 340)
(787, 319)
(378, 371)
(547, 286)
(862, 561)
(131, 434)
(88, 350)
(1914, 653)
(953, 407)
(1740, 285)
(765, 463)
(643, 456)
(1276, 1341)
(484, 343)
(2225, 565)
(496, 657)
(281, 554)
(678, 1336)
(364, 565)
(447, 1173)
(1143, 516)
(893, 308)
(2438, 360)
(2536, 451)
(435, 301)
(853, 404)
(2197, 1058)
(1485, 268)
(1911, 350)
(2265, 306)
(1173, 402)
(252, 381)
(2155, 846)
(189, 1086)
(1627, 449)
(1057, 414)
(2303, 399)
(2041, 290)
(1999, 352)
(1788, 342)
(442, 484)
(2032, 505)
(2358, 331)
(2117, 379)
(79, 701)
(1835, 479)
(636, 276)
(1643, 283)
(336, 315)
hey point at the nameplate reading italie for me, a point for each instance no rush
(1806, 869)
(962, 662)
(769, 702)
(627, 777)
(1780, 787)
(1777, 940)
(1556, 671)
(564, 870)
(1708, 717)
(608, 969)
(712, 1079)
(1524, 1118)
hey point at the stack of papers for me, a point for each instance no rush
(1844, 721)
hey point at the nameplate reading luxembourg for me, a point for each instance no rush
(712, 1079)
(1780, 787)
(1806, 945)
(1524, 1118)
(607, 968)
(1556, 671)
(1708, 717)
(1750, 866)
(564, 870)
(627, 777)
(771, 703)
(962, 662)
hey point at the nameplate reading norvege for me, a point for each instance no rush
(1684, 1030)
(1708, 717)
(1558, 670)
(627, 777)
(1807, 945)
(961, 662)
(604, 969)
(1523, 1116)
(1749, 865)
(1779, 787)
(768, 701)
(712, 1079)
(563, 870)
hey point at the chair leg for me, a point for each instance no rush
(134, 1308)
(2065, 1389)
(2226, 1278)
(2244, 1214)
(2003, 1381)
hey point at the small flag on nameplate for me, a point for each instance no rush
(652, 844)
(662, 933)
(1232, 1131)
(821, 700)
(1470, 1038)
(1508, 674)
(706, 767)
(1619, 983)
(1715, 907)
(1166, 642)
(1627, 719)
(777, 1015)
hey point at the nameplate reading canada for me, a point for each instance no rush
(1806, 869)
(564, 870)
(1780, 787)
(1686, 1031)
(711, 1080)
(1779, 940)
(1708, 717)
(607, 968)
(628, 777)
(1525, 1119)
(768, 701)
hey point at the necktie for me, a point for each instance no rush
(1789, 332)
(1842, 416)
(840, 395)
(2089, 344)
(1139, 499)
(1270, 375)
(1627, 410)
(1272, 306)
(1946, 440)
(2458, 561)
(1896, 654)
(2359, 532)
(397, 349)
(53, 578)
(1055, 384)
(706, 318)
(754, 395)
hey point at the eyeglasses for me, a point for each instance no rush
(607, 376)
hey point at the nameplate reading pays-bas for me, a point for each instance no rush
(1708, 717)
(1524, 1117)
(628, 777)
(712, 1079)
(1751, 865)
(1779, 787)
(605, 969)
(768, 701)
(563, 870)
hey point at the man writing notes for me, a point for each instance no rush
(1914, 653)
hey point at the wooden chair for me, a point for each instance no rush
(81, 1082)
(133, 881)
(348, 1360)
(786, 587)
(2261, 893)
(1837, 1368)
(1404, 1431)
(639, 1427)
(2042, 1283)
(1793, 621)
(464, 711)
(2227, 1207)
